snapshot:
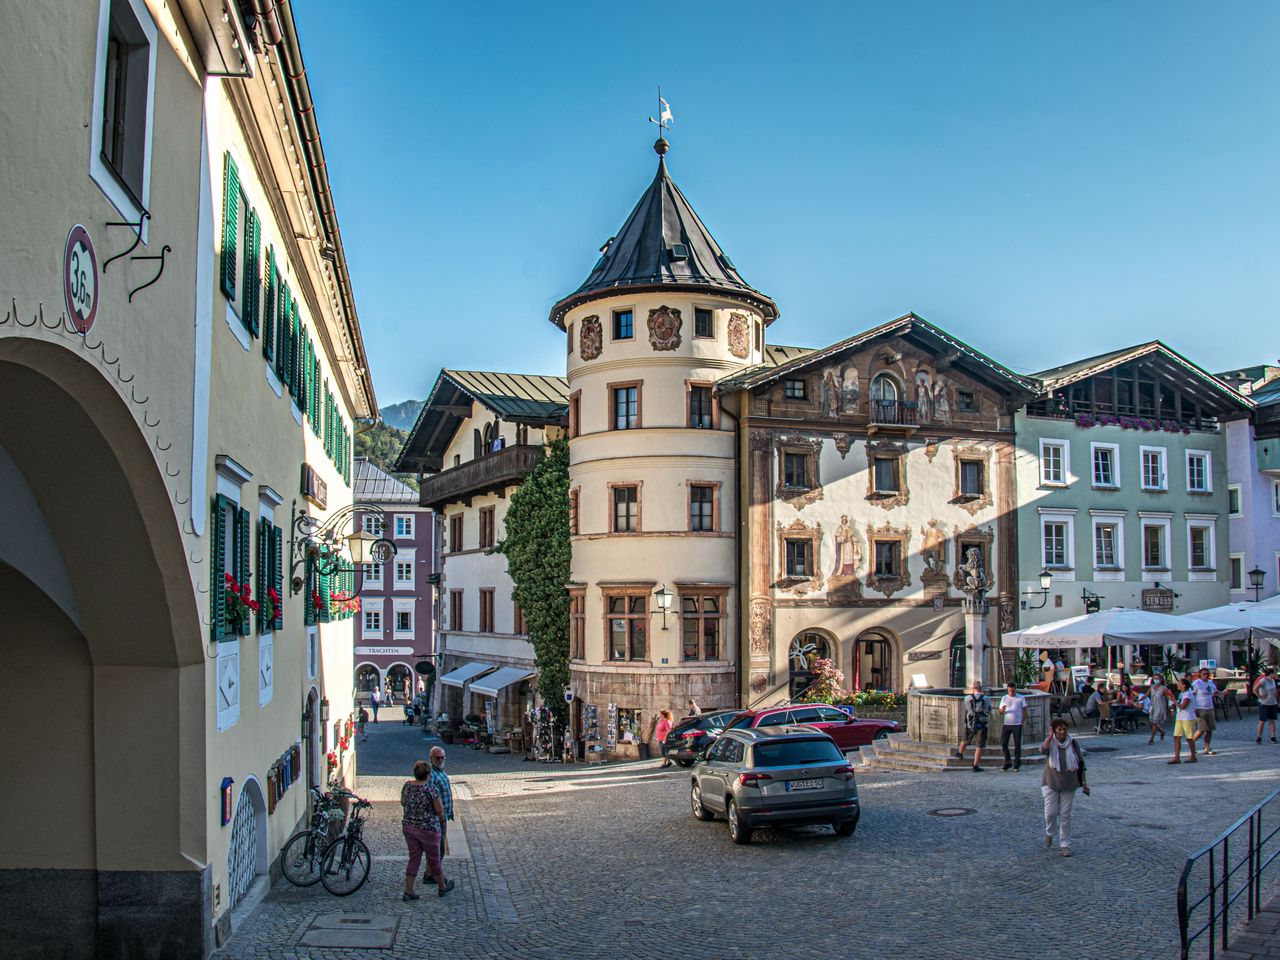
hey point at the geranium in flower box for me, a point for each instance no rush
(239, 603)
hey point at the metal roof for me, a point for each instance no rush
(642, 255)
(371, 483)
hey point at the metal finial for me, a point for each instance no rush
(664, 121)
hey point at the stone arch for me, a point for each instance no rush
(362, 671)
(876, 659)
(315, 769)
(808, 645)
(406, 670)
(110, 609)
(253, 789)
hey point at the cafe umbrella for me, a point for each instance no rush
(1121, 625)
(1259, 621)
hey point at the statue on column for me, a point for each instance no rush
(970, 576)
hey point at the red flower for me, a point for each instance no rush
(275, 597)
(229, 578)
(253, 605)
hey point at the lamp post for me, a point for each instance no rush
(1046, 581)
(665, 597)
(1256, 577)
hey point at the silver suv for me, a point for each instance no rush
(775, 776)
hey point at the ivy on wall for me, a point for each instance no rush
(537, 551)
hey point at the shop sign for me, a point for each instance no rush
(385, 651)
(915, 655)
(1159, 600)
(313, 488)
(80, 279)
(226, 800)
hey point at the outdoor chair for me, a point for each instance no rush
(1225, 701)
(1104, 719)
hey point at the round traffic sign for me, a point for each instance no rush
(80, 279)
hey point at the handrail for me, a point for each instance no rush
(1219, 895)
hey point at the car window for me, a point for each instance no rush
(688, 723)
(832, 715)
(743, 722)
(719, 750)
(733, 752)
(788, 753)
(717, 721)
(775, 719)
(806, 715)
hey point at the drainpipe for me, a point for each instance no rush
(743, 605)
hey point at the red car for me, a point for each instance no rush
(847, 731)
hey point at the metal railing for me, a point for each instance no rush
(1225, 883)
(893, 413)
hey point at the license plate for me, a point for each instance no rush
(804, 784)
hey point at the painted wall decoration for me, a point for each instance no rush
(590, 338)
(664, 328)
(840, 391)
(739, 336)
(842, 444)
(848, 550)
(932, 396)
(889, 583)
(760, 626)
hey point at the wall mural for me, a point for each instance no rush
(933, 551)
(739, 336)
(590, 338)
(933, 401)
(840, 391)
(664, 328)
(760, 632)
(844, 572)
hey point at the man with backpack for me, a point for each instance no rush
(977, 716)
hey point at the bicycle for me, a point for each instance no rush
(345, 865)
(300, 860)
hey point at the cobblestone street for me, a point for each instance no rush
(608, 862)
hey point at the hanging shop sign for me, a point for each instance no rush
(313, 488)
(1160, 600)
(226, 800)
(80, 279)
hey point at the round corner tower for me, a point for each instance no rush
(653, 479)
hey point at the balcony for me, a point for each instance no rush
(493, 471)
(892, 415)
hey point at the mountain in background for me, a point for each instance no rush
(381, 446)
(401, 415)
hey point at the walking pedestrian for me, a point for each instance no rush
(1063, 776)
(1204, 690)
(375, 698)
(1184, 722)
(693, 708)
(362, 720)
(440, 780)
(660, 734)
(1264, 688)
(423, 811)
(1013, 707)
(1158, 709)
(977, 716)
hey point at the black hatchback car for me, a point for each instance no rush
(692, 735)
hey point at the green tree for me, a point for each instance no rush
(537, 551)
(381, 445)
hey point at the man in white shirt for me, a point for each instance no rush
(1013, 708)
(1202, 692)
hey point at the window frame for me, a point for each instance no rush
(577, 623)
(789, 382)
(626, 594)
(895, 553)
(1204, 571)
(710, 314)
(961, 463)
(1275, 498)
(713, 405)
(486, 609)
(456, 532)
(488, 527)
(613, 323)
(575, 510)
(1207, 457)
(403, 581)
(575, 414)
(398, 630)
(371, 612)
(614, 488)
(408, 521)
(876, 488)
(809, 559)
(1235, 492)
(1162, 453)
(1114, 571)
(1067, 518)
(1064, 450)
(1235, 573)
(700, 595)
(457, 612)
(1164, 523)
(974, 396)
(613, 388)
(714, 520)
(1114, 450)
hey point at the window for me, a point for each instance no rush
(455, 533)
(575, 414)
(518, 624)
(1154, 547)
(455, 609)
(884, 474)
(1233, 500)
(700, 616)
(373, 574)
(623, 326)
(373, 524)
(124, 80)
(1053, 463)
(404, 525)
(1200, 546)
(569, 345)
(1275, 498)
(486, 610)
(795, 389)
(628, 616)
(1198, 472)
(573, 512)
(626, 509)
(1237, 573)
(703, 326)
(1153, 472)
(626, 408)
(488, 522)
(1105, 541)
(799, 558)
(971, 478)
(701, 508)
(966, 401)
(1054, 536)
(404, 573)
(884, 401)
(795, 469)
(888, 558)
(373, 621)
(230, 529)
(577, 625)
(1104, 465)
(700, 408)
(404, 621)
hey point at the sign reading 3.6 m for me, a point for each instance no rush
(80, 279)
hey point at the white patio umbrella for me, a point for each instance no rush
(1271, 602)
(1263, 620)
(1121, 625)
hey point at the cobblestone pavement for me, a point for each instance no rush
(608, 862)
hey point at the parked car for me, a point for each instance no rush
(692, 735)
(845, 729)
(775, 776)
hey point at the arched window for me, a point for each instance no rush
(959, 672)
(884, 389)
(873, 669)
(805, 649)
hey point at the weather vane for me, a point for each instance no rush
(665, 119)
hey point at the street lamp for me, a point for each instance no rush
(361, 546)
(1046, 581)
(1256, 576)
(664, 602)
(324, 710)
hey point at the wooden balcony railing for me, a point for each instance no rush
(491, 472)
(893, 413)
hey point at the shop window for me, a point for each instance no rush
(700, 625)
(628, 625)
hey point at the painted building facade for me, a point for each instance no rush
(1253, 484)
(477, 436)
(1123, 486)
(396, 627)
(181, 713)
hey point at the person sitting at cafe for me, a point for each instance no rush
(1086, 689)
(1093, 705)
(1124, 711)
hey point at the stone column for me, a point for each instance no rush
(976, 608)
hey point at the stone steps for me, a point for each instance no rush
(899, 752)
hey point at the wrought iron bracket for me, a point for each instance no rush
(137, 239)
(322, 539)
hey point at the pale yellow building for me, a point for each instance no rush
(168, 228)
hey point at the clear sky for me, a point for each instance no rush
(1045, 180)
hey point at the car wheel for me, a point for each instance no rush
(685, 763)
(695, 803)
(737, 829)
(845, 828)
(881, 734)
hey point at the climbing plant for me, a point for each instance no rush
(537, 551)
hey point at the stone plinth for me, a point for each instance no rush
(936, 715)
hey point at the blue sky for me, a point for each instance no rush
(1045, 180)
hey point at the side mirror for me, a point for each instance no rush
(849, 718)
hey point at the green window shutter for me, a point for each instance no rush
(269, 308)
(304, 378)
(326, 595)
(264, 568)
(309, 366)
(217, 568)
(277, 572)
(328, 420)
(312, 590)
(295, 351)
(315, 400)
(282, 330)
(252, 271)
(242, 555)
(230, 218)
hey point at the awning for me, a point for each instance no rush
(468, 671)
(503, 678)
(1119, 625)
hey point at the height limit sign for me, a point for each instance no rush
(80, 279)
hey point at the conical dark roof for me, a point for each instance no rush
(645, 257)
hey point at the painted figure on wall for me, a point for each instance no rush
(849, 388)
(924, 395)
(848, 550)
(941, 404)
(934, 547)
(830, 394)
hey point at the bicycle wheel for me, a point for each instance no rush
(300, 859)
(345, 867)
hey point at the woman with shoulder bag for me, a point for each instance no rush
(1063, 776)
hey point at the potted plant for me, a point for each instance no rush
(240, 605)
